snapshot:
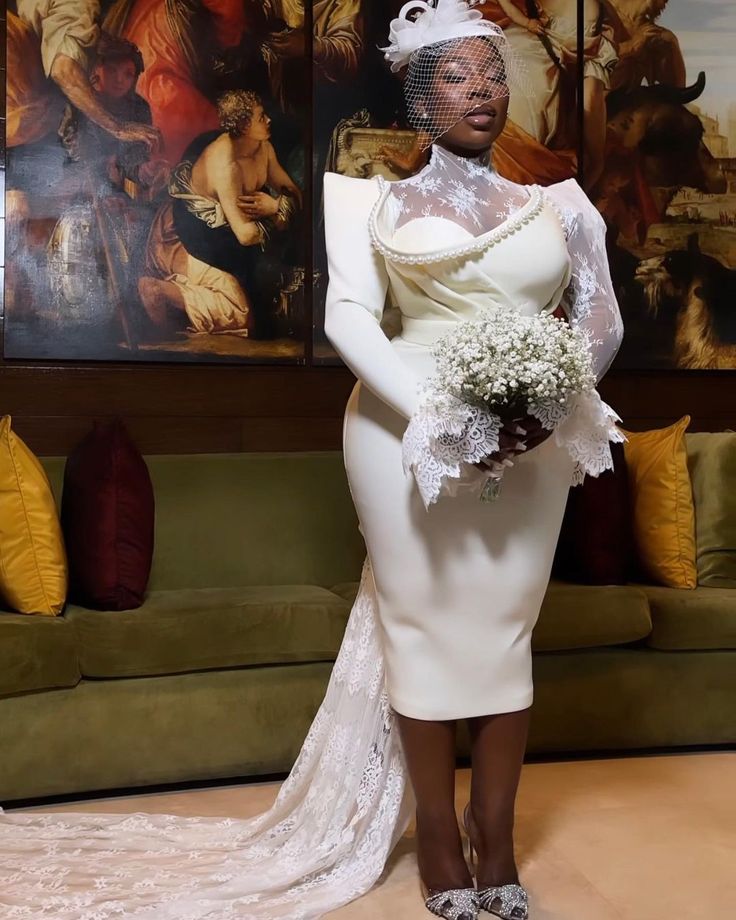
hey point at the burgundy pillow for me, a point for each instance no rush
(107, 515)
(596, 544)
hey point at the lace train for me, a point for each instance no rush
(323, 843)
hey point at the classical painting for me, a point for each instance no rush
(156, 180)
(158, 202)
(668, 186)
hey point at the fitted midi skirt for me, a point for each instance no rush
(459, 586)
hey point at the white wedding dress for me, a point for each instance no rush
(443, 243)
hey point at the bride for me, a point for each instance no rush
(449, 593)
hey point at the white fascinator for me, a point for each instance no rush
(443, 42)
(438, 20)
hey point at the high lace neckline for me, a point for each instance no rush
(470, 165)
(466, 192)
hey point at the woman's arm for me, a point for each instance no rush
(356, 295)
(516, 16)
(228, 185)
(589, 299)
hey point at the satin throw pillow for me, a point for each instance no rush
(663, 511)
(33, 564)
(107, 512)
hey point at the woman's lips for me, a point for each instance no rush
(480, 120)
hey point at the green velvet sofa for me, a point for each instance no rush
(221, 671)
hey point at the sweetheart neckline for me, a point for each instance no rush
(507, 227)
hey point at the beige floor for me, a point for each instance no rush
(640, 838)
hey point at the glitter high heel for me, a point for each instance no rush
(513, 898)
(453, 903)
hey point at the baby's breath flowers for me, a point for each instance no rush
(506, 364)
(508, 361)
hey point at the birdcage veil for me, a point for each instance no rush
(454, 61)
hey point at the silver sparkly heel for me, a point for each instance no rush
(452, 904)
(514, 904)
(513, 898)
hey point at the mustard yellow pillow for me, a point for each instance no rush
(33, 565)
(663, 508)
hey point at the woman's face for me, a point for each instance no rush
(469, 94)
(259, 128)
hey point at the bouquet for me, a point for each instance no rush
(506, 364)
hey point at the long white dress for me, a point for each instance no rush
(459, 586)
(464, 575)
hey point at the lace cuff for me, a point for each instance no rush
(587, 430)
(445, 436)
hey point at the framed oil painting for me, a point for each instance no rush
(156, 205)
(160, 206)
(667, 183)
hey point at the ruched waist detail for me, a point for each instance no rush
(425, 331)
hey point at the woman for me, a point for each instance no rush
(441, 625)
(459, 589)
(228, 195)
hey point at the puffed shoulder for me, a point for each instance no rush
(572, 197)
(338, 179)
(350, 192)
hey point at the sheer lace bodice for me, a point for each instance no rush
(458, 236)
(465, 190)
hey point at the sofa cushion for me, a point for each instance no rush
(196, 629)
(347, 590)
(36, 653)
(280, 519)
(701, 619)
(107, 514)
(577, 616)
(33, 564)
(712, 464)
(662, 504)
(588, 616)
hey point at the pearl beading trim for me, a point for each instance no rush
(511, 225)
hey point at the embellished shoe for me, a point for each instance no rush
(452, 904)
(509, 901)
(514, 903)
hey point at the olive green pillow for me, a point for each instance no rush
(712, 464)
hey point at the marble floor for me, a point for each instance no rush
(624, 838)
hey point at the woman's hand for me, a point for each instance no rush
(258, 204)
(535, 27)
(511, 441)
(517, 435)
(536, 433)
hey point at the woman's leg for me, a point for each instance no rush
(498, 746)
(429, 749)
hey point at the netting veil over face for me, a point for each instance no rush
(455, 61)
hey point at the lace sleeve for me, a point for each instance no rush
(589, 300)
